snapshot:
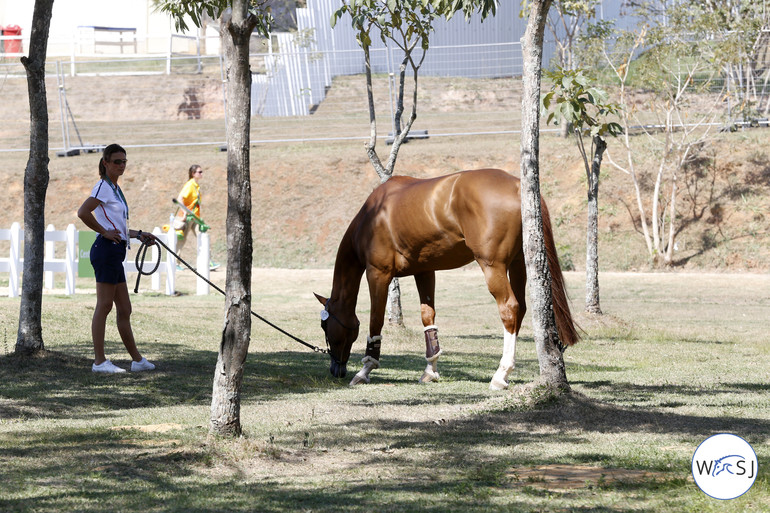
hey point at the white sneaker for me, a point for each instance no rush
(141, 365)
(107, 366)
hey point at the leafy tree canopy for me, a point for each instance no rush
(412, 18)
(574, 100)
(195, 9)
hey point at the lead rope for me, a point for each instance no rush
(140, 269)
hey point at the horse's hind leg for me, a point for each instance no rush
(510, 304)
(426, 287)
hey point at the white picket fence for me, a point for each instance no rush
(69, 263)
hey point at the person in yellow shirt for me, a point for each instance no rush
(190, 197)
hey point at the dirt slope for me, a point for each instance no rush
(305, 194)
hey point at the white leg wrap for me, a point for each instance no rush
(507, 363)
(431, 372)
(363, 375)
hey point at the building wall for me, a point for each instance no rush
(152, 28)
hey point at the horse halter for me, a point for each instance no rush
(325, 316)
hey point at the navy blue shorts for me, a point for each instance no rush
(107, 260)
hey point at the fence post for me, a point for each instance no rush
(170, 260)
(203, 262)
(155, 277)
(70, 259)
(13, 279)
(49, 255)
(72, 57)
(170, 53)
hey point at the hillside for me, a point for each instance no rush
(306, 193)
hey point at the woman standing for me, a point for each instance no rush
(106, 212)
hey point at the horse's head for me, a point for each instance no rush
(341, 330)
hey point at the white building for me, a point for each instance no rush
(89, 26)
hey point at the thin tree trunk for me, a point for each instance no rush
(30, 335)
(385, 172)
(552, 371)
(592, 230)
(632, 169)
(236, 334)
(655, 212)
(371, 144)
(395, 315)
(669, 256)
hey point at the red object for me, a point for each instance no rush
(12, 45)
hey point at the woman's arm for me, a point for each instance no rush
(86, 214)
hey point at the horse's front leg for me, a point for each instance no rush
(426, 288)
(378, 294)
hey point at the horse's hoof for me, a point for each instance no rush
(359, 378)
(427, 377)
(497, 384)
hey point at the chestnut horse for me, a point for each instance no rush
(410, 226)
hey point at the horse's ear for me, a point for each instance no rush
(320, 299)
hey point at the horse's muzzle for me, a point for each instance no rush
(337, 369)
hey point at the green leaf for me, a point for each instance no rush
(567, 111)
(614, 129)
(598, 96)
(547, 98)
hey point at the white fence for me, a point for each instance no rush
(69, 263)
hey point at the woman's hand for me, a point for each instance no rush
(113, 235)
(146, 238)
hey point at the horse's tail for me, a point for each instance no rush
(568, 333)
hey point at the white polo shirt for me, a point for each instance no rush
(112, 212)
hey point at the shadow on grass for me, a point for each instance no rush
(58, 384)
(574, 413)
(61, 385)
(105, 471)
(128, 470)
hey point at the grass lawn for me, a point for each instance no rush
(675, 359)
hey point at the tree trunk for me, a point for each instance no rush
(385, 172)
(552, 371)
(592, 231)
(395, 314)
(234, 346)
(30, 335)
